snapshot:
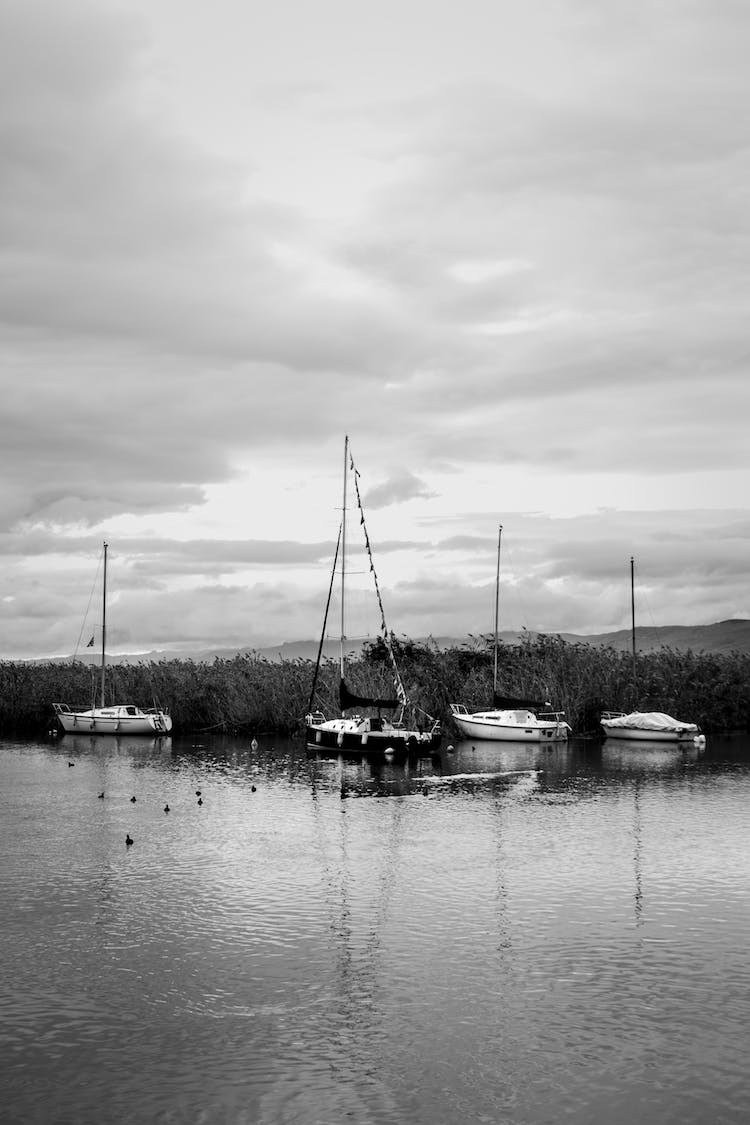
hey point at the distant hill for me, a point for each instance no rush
(722, 636)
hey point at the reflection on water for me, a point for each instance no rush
(106, 745)
(517, 934)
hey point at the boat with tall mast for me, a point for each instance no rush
(510, 719)
(366, 730)
(645, 726)
(121, 718)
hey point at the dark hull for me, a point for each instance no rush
(373, 742)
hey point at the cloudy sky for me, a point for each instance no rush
(505, 246)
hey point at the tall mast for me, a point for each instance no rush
(632, 611)
(104, 623)
(343, 557)
(497, 606)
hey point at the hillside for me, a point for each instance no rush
(720, 637)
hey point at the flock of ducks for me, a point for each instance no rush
(129, 841)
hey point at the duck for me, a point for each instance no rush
(128, 840)
(101, 796)
(132, 800)
(166, 808)
(200, 800)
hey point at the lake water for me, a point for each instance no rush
(431, 944)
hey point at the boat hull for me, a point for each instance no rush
(517, 724)
(639, 734)
(328, 737)
(113, 720)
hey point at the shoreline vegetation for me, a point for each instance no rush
(248, 694)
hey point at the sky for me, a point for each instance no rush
(503, 246)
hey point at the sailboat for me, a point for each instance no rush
(121, 718)
(359, 731)
(510, 719)
(646, 726)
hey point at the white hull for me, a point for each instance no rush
(509, 726)
(126, 719)
(638, 734)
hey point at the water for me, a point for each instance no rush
(432, 944)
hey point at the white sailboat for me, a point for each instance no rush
(363, 731)
(510, 719)
(646, 726)
(121, 718)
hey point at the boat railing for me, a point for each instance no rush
(613, 714)
(558, 716)
(458, 709)
(314, 718)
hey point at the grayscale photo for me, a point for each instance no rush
(375, 538)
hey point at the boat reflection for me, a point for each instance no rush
(115, 745)
(387, 776)
(647, 757)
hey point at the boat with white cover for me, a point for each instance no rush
(649, 726)
(646, 726)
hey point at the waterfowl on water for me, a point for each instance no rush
(101, 796)
(132, 800)
(70, 764)
(128, 841)
(197, 792)
(166, 808)
(200, 800)
(253, 789)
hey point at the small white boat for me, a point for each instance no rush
(122, 718)
(511, 719)
(511, 725)
(649, 726)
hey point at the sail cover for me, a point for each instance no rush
(348, 699)
(652, 720)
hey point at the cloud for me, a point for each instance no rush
(532, 299)
(396, 490)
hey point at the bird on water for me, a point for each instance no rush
(166, 808)
(128, 841)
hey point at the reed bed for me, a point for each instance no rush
(250, 694)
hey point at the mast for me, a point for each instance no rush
(632, 612)
(497, 607)
(104, 624)
(343, 558)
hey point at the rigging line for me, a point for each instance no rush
(325, 621)
(94, 585)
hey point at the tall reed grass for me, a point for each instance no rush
(249, 694)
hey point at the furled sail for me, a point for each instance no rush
(348, 699)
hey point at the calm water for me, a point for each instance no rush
(435, 944)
